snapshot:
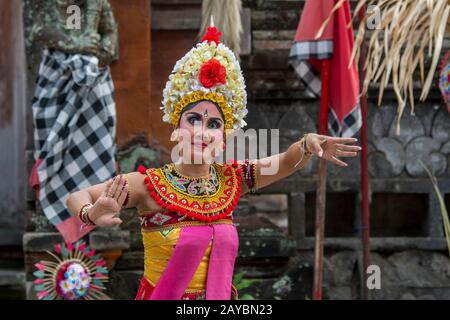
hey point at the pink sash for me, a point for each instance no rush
(186, 258)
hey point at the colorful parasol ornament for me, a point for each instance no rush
(444, 79)
(75, 273)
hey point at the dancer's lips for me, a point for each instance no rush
(200, 145)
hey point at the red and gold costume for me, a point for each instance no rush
(189, 202)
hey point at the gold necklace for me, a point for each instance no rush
(202, 179)
(207, 176)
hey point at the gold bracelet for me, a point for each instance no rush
(127, 200)
(255, 181)
(83, 215)
(80, 212)
(89, 221)
(304, 150)
(305, 147)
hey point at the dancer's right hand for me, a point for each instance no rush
(105, 211)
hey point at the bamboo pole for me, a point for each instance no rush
(365, 209)
(321, 183)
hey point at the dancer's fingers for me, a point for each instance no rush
(113, 188)
(342, 140)
(340, 153)
(116, 221)
(117, 187)
(346, 147)
(107, 187)
(317, 149)
(338, 162)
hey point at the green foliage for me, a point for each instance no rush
(246, 297)
(444, 212)
(240, 283)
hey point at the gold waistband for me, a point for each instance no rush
(184, 224)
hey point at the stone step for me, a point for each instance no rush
(12, 277)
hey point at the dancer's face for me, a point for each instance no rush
(200, 132)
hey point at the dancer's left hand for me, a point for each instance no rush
(329, 148)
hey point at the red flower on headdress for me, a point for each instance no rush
(212, 73)
(212, 34)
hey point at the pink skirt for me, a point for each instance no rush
(146, 288)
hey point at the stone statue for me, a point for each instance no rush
(96, 33)
(74, 111)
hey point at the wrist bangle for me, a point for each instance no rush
(305, 147)
(127, 199)
(80, 213)
(89, 221)
(304, 151)
(84, 217)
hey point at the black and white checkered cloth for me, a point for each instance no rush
(299, 55)
(74, 118)
(350, 125)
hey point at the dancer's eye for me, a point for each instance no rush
(192, 119)
(214, 124)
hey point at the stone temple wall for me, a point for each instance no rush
(275, 261)
(407, 242)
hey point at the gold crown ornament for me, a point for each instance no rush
(209, 71)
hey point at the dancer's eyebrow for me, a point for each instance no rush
(199, 115)
(194, 113)
(214, 118)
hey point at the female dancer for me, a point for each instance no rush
(186, 207)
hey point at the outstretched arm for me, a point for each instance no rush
(282, 165)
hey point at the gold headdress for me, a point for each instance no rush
(209, 71)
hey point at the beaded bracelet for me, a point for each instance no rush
(84, 216)
(250, 175)
(253, 173)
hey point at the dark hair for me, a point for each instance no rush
(191, 105)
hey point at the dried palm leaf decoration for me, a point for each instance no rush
(227, 18)
(408, 30)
